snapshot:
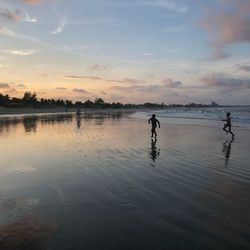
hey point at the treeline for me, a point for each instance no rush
(30, 100)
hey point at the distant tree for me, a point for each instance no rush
(16, 100)
(78, 104)
(69, 103)
(88, 104)
(99, 102)
(4, 99)
(29, 98)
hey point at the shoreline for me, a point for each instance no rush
(34, 111)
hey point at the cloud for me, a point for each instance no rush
(175, 29)
(20, 52)
(61, 26)
(226, 82)
(226, 23)
(96, 78)
(97, 67)
(103, 92)
(4, 86)
(11, 33)
(156, 88)
(146, 54)
(169, 83)
(169, 5)
(21, 86)
(82, 91)
(27, 18)
(61, 88)
(244, 68)
(84, 77)
(13, 16)
(10, 88)
(31, 1)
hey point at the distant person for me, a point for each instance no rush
(154, 123)
(228, 124)
(78, 112)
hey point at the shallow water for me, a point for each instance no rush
(239, 115)
(100, 182)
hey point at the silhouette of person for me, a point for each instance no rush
(227, 150)
(78, 112)
(154, 152)
(154, 123)
(228, 124)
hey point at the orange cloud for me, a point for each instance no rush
(31, 1)
(95, 78)
(228, 23)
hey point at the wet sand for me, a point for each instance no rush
(35, 111)
(100, 182)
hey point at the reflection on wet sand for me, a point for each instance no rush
(226, 149)
(31, 122)
(78, 122)
(26, 233)
(98, 186)
(154, 152)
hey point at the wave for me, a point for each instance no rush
(238, 114)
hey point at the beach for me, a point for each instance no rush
(100, 182)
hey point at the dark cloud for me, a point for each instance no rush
(244, 67)
(225, 82)
(169, 83)
(97, 67)
(82, 91)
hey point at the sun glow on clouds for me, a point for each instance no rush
(226, 23)
(61, 26)
(20, 52)
(128, 56)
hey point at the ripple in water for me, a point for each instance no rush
(100, 182)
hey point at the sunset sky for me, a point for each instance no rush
(133, 51)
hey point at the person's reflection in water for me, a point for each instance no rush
(154, 152)
(227, 150)
(30, 123)
(78, 122)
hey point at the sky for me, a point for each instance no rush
(134, 51)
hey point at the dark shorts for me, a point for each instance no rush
(227, 125)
